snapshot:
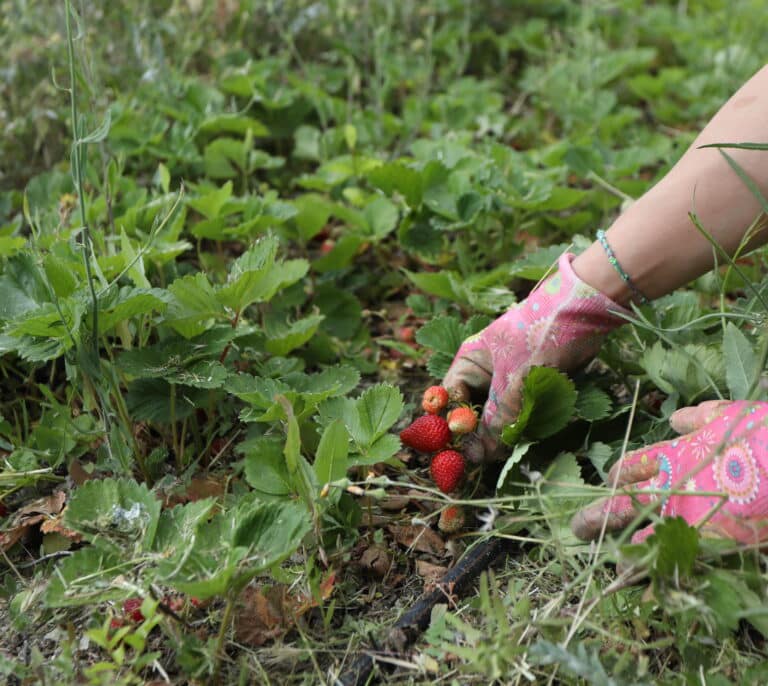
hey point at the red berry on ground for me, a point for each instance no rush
(435, 399)
(427, 434)
(451, 519)
(447, 470)
(406, 334)
(174, 603)
(462, 420)
(327, 245)
(132, 609)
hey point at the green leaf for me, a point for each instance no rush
(130, 257)
(376, 410)
(211, 204)
(442, 284)
(536, 265)
(116, 306)
(741, 362)
(599, 454)
(149, 400)
(61, 273)
(292, 448)
(381, 217)
(203, 374)
(194, 307)
(22, 287)
(87, 577)
(576, 662)
(342, 312)
(313, 214)
(265, 467)
(331, 457)
(593, 404)
(395, 177)
(256, 277)
(549, 400)
(175, 360)
(444, 335)
(225, 158)
(468, 206)
(233, 123)
(517, 454)
(11, 245)
(332, 381)
(692, 370)
(341, 256)
(234, 547)
(381, 450)
(676, 545)
(283, 338)
(116, 514)
(177, 526)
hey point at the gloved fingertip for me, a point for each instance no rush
(688, 419)
(580, 526)
(642, 535)
(473, 448)
(458, 391)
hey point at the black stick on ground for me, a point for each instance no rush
(408, 628)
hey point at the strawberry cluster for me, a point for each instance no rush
(433, 433)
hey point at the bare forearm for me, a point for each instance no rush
(655, 241)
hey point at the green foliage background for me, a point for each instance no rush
(265, 183)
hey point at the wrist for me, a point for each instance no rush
(594, 269)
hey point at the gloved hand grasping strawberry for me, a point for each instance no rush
(717, 470)
(561, 324)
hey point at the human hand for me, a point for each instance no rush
(561, 324)
(724, 450)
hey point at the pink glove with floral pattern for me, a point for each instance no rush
(561, 324)
(719, 468)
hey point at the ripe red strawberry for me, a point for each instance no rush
(451, 519)
(435, 399)
(406, 334)
(427, 434)
(462, 420)
(132, 609)
(447, 469)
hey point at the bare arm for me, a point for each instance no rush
(655, 241)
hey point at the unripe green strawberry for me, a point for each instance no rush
(428, 434)
(435, 399)
(462, 420)
(451, 519)
(447, 470)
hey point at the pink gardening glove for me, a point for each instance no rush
(561, 324)
(725, 452)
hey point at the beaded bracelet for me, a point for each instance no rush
(624, 276)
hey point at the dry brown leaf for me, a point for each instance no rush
(418, 537)
(376, 560)
(429, 572)
(262, 615)
(55, 525)
(198, 488)
(30, 515)
(78, 473)
(266, 613)
(394, 503)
